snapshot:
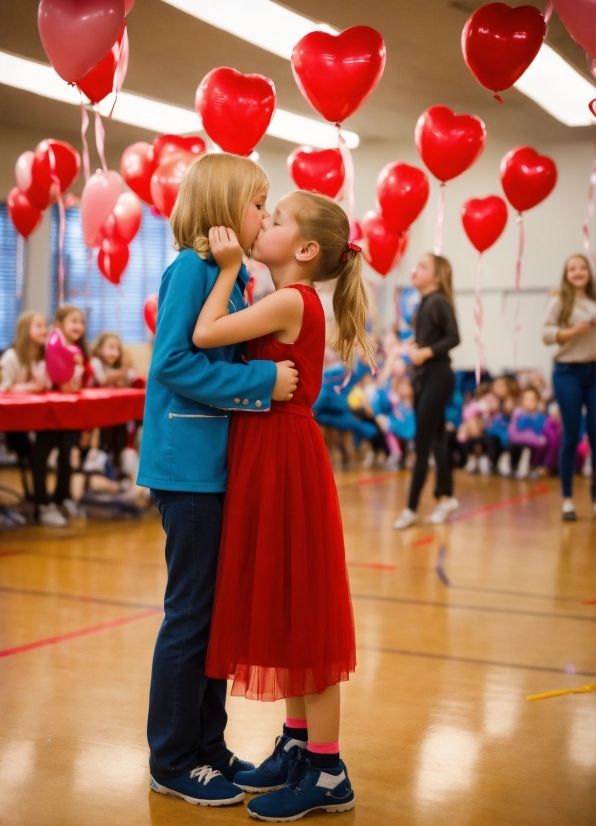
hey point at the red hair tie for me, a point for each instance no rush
(349, 247)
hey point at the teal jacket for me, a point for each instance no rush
(191, 392)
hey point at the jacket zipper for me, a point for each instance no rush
(193, 416)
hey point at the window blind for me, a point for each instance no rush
(12, 265)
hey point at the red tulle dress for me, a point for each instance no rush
(282, 621)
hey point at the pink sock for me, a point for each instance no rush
(323, 748)
(295, 722)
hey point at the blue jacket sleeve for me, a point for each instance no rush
(186, 370)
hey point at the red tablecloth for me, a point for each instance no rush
(100, 407)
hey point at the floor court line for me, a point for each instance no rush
(81, 632)
(78, 598)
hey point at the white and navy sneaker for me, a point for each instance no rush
(274, 770)
(308, 789)
(203, 786)
(231, 766)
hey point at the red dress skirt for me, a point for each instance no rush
(282, 621)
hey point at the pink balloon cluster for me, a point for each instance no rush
(41, 176)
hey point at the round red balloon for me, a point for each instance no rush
(112, 259)
(484, 220)
(402, 193)
(500, 42)
(337, 73)
(384, 247)
(100, 81)
(137, 166)
(150, 312)
(527, 177)
(166, 180)
(317, 171)
(166, 146)
(55, 160)
(449, 143)
(25, 217)
(236, 109)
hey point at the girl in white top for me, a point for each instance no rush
(571, 323)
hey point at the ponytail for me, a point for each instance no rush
(324, 221)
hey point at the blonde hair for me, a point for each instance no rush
(321, 219)
(62, 312)
(22, 341)
(567, 292)
(444, 275)
(215, 192)
(101, 340)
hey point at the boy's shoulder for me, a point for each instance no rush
(189, 260)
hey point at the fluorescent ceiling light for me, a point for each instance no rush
(155, 115)
(262, 22)
(555, 86)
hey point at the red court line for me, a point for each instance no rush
(82, 632)
(11, 553)
(376, 566)
(589, 602)
(539, 490)
(376, 480)
(426, 540)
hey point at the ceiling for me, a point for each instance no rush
(170, 52)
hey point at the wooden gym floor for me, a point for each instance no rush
(456, 625)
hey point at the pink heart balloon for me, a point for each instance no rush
(579, 18)
(60, 358)
(98, 201)
(22, 170)
(128, 214)
(77, 34)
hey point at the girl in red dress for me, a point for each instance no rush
(282, 622)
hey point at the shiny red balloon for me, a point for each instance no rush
(150, 312)
(383, 246)
(137, 165)
(402, 193)
(112, 259)
(236, 109)
(166, 180)
(55, 162)
(25, 217)
(100, 81)
(449, 143)
(166, 146)
(125, 221)
(527, 177)
(317, 171)
(484, 220)
(337, 73)
(500, 42)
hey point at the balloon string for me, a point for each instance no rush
(518, 274)
(438, 245)
(121, 67)
(20, 265)
(88, 283)
(100, 137)
(479, 322)
(548, 11)
(84, 127)
(348, 163)
(590, 211)
(61, 224)
(118, 303)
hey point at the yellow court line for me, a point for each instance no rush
(583, 689)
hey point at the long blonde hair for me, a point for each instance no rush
(98, 345)
(567, 292)
(65, 310)
(215, 192)
(444, 276)
(322, 220)
(22, 342)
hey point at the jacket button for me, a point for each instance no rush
(258, 403)
(245, 402)
(236, 401)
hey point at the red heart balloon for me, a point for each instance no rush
(449, 143)
(500, 42)
(527, 177)
(166, 146)
(402, 192)
(337, 73)
(150, 312)
(64, 166)
(137, 166)
(579, 18)
(101, 80)
(166, 180)
(384, 247)
(484, 220)
(317, 171)
(77, 34)
(112, 259)
(25, 217)
(236, 109)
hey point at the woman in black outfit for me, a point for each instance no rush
(436, 334)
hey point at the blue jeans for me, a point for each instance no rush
(187, 714)
(574, 384)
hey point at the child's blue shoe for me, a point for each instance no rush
(273, 772)
(231, 766)
(308, 789)
(203, 786)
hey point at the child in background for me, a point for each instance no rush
(478, 449)
(361, 401)
(108, 364)
(553, 430)
(497, 431)
(527, 442)
(394, 411)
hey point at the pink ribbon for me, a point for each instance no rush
(346, 157)
(590, 211)
(100, 137)
(479, 323)
(121, 68)
(548, 11)
(438, 245)
(84, 127)
(518, 273)
(61, 226)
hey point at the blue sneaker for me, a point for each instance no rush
(232, 765)
(273, 772)
(203, 786)
(307, 790)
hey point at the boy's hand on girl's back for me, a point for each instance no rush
(287, 381)
(225, 248)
